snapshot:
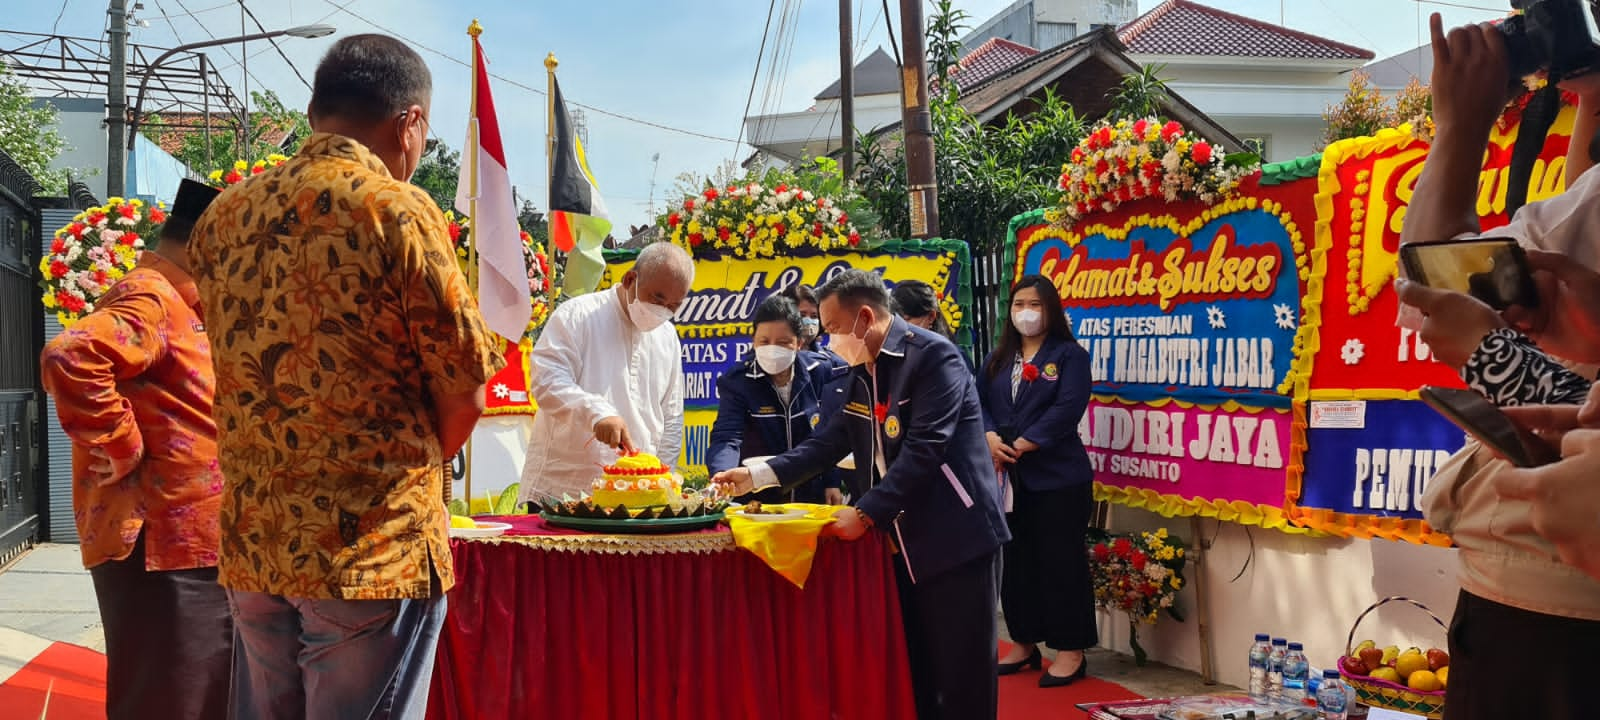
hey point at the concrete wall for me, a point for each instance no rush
(81, 122)
(1309, 590)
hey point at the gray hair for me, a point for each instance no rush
(665, 258)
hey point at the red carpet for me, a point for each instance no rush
(1021, 698)
(73, 676)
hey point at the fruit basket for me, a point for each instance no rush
(1380, 692)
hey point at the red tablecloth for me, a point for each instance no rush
(538, 631)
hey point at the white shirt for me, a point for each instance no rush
(591, 363)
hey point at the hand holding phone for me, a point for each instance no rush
(1494, 270)
(1485, 422)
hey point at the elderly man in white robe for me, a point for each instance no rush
(607, 377)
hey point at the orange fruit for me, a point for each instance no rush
(1424, 681)
(1410, 663)
(1444, 676)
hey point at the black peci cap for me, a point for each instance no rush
(193, 199)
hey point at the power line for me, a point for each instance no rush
(345, 9)
(760, 53)
(59, 15)
(275, 45)
(1497, 11)
(889, 26)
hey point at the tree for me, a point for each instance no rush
(28, 134)
(272, 129)
(1140, 94)
(943, 44)
(724, 174)
(1363, 111)
(439, 172)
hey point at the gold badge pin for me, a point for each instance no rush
(891, 427)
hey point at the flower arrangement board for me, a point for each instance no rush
(96, 249)
(714, 323)
(1283, 397)
(1138, 574)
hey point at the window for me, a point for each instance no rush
(1258, 144)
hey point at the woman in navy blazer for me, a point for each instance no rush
(1034, 390)
(772, 401)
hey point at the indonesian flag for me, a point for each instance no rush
(502, 270)
(579, 222)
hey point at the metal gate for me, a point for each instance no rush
(21, 339)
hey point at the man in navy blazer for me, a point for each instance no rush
(924, 476)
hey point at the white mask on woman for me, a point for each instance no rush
(774, 359)
(1028, 321)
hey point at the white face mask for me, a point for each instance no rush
(809, 327)
(1029, 322)
(853, 349)
(647, 316)
(774, 359)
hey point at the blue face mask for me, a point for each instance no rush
(809, 328)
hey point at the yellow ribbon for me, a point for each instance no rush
(786, 546)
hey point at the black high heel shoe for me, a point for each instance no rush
(1049, 681)
(1034, 660)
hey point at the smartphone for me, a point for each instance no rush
(1482, 420)
(1494, 270)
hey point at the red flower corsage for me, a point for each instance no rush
(881, 411)
(1030, 372)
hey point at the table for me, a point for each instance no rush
(552, 624)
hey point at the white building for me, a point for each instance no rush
(1266, 83)
(1044, 24)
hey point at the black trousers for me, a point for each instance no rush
(1506, 662)
(169, 640)
(951, 640)
(1046, 590)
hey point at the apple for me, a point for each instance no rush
(1437, 659)
(1371, 657)
(1357, 666)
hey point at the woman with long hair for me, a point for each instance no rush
(916, 302)
(805, 299)
(1035, 389)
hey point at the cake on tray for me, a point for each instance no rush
(640, 480)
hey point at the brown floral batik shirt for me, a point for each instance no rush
(336, 311)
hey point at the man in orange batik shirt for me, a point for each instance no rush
(351, 362)
(132, 383)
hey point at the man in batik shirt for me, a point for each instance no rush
(133, 386)
(351, 362)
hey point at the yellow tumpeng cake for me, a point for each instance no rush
(637, 481)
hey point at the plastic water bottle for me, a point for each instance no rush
(1295, 673)
(1259, 652)
(1275, 668)
(1331, 698)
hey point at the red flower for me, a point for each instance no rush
(816, 230)
(780, 230)
(1077, 156)
(76, 229)
(711, 193)
(695, 239)
(844, 218)
(822, 203)
(1102, 167)
(58, 247)
(1139, 560)
(101, 277)
(1139, 126)
(129, 238)
(1122, 166)
(781, 188)
(127, 211)
(1171, 131)
(58, 269)
(723, 234)
(232, 177)
(1122, 547)
(257, 169)
(855, 239)
(1030, 372)
(1101, 552)
(96, 217)
(455, 232)
(881, 411)
(1151, 590)
(156, 216)
(71, 302)
(688, 204)
(1201, 152)
(1152, 169)
(674, 219)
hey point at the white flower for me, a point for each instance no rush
(501, 391)
(1285, 316)
(1352, 351)
(1216, 318)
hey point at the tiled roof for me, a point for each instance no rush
(990, 59)
(1182, 27)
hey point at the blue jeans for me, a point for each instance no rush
(304, 659)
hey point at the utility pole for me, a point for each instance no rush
(847, 92)
(117, 100)
(918, 123)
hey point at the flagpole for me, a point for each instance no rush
(474, 30)
(550, 64)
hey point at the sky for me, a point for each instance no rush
(674, 76)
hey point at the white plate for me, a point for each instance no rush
(483, 530)
(849, 462)
(787, 514)
(751, 461)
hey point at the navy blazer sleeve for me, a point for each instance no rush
(1071, 400)
(936, 400)
(817, 455)
(727, 433)
(984, 392)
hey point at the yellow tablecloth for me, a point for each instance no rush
(787, 546)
